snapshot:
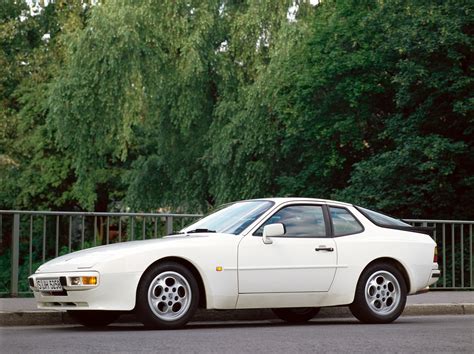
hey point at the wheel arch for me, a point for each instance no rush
(190, 267)
(393, 262)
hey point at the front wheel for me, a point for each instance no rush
(296, 315)
(380, 296)
(167, 296)
(94, 319)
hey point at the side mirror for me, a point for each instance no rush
(271, 231)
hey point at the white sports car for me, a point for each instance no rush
(293, 255)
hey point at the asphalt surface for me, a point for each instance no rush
(432, 297)
(424, 334)
(23, 311)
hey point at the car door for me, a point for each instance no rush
(304, 259)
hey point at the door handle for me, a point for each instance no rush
(324, 248)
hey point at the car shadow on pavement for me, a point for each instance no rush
(118, 327)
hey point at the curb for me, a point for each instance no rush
(44, 318)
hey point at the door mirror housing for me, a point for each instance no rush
(272, 230)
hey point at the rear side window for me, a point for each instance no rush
(382, 219)
(343, 222)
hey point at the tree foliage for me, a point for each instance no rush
(187, 104)
(34, 172)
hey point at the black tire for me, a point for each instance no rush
(296, 315)
(381, 294)
(167, 296)
(94, 319)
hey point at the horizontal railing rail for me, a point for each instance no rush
(30, 238)
(93, 213)
(421, 221)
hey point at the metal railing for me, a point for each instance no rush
(29, 238)
(455, 252)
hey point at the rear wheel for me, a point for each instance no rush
(91, 318)
(167, 296)
(296, 315)
(380, 296)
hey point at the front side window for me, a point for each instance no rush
(343, 222)
(299, 221)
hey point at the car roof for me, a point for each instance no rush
(281, 200)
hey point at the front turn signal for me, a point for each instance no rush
(89, 280)
(435, 257)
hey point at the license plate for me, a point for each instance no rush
(49, 284)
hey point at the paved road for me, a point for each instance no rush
(433, 297)
(427, 334)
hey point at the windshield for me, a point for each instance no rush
(381, 219)
(232, 219)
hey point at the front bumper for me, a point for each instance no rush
(114, 291)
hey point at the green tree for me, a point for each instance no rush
(425, 153)
(373, 105)
(137, 87)
(186, 104)
(244, 155)
(34, 172)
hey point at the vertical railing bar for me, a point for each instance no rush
(169, 225)
(15, 258)
(95, 230)
(120, 229)
(444, 270)
(44, 238)
(453, 255)
(30, 246)
(56, 249)
(155, 231)
(1, 229)
(70, 234)
(471, 264)
(133, 228)
(144, 227)
(462, 255)
(107, 233)
(83, 230)
(435, 240)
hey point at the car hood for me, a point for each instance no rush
(89, 258)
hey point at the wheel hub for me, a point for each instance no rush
(169, 296)
(382, 292)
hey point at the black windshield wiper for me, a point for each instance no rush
(199, 230)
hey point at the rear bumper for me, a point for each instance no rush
(435, 274)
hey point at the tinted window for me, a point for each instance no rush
(299, 221)
(343, 222)
(382, 219)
